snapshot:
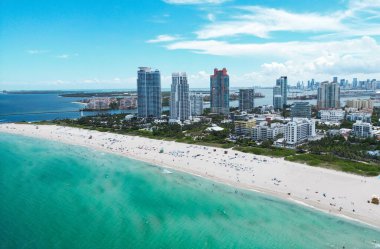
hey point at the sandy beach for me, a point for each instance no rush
(334, 192)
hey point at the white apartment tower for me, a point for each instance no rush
(299, 130)
(179, 97)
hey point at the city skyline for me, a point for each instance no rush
(74, 45)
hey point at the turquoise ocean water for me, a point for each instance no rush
(54, 195)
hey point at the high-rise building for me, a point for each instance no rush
(355, 83)
(311, 84)
(179, 97)
(282, 82)
(196, 104)
(301, 110)
(335, 79)
(149, 101)
(277, 98)
(220, 92)
(328, 95)
(342, 83)
(246, 99)
(280, 93)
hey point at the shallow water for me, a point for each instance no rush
(54, 195)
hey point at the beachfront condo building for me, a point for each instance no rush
(245, 128)
(179, 98)
(149, 102)
(263, 131)
(220, 92)
(328, 95)
(362, 129)
(246, 99)
(299, 130)
(196, 104)
(301, 110)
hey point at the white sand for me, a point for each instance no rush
(328, 190)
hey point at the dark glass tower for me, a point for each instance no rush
(148, 93)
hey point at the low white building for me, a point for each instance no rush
(299, 130)
(266, 109)
(214, 127)
(129, 117)
(174, 121)
(362, 129)
(332, 116)
(265, 132)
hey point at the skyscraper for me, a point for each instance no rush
(220, 91)
(328, 95)
(148, 93)
(246, 99)
(281, 89)
(179, 97)
(354, 82)
(277, 98)
(196, 104)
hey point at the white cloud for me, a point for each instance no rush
(285, 50)
(260, 22)
(163, 38)
(195, 1)
(199, 77)
(211, 17)
(298, 60)
(37, 51)
(358, 18)
(63, 56)
(66, 56)
(364, 4)
(333, 43)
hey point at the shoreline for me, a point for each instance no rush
(341, 194)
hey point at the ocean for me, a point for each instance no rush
(38, 107)
(54, 195)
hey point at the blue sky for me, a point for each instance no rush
(86, 44)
